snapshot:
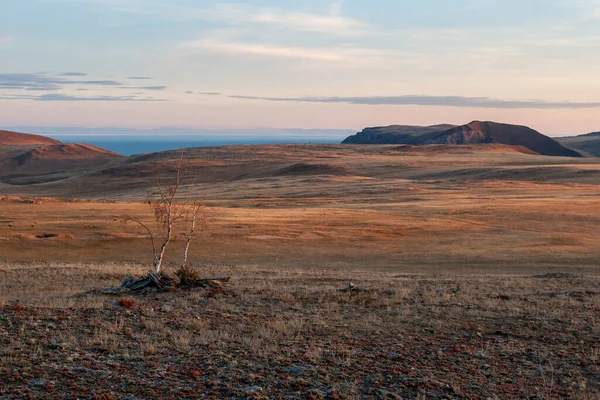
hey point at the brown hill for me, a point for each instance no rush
(239, 173)
(482, 148)
(475, 132)
(66, 151)
(9, 138)
(395, 134)
(22, 165)
(588, 144)
(514, 135)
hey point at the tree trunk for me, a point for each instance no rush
(163, 247)
(189, 240)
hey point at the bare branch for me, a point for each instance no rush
(197, 209)
(167, 211)
(140, 223)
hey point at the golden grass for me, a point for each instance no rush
(472, 227)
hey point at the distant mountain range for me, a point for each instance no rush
(475, 132)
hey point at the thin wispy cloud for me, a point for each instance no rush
(43, 82)
(139, 77)
(348, 55)
(63, 97)
(73, 74)
(332, 23)
(146, 87)
(329, 21)
(46, 82)
(69, 98)
(443, 101)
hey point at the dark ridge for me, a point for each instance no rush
(312, 169)
(476, 132)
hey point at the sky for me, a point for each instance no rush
(338, 64)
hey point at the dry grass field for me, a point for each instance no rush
(478, 270)
(289, 333)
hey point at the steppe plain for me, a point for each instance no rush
(477, 267)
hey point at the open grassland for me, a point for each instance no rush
(369, 207)
(478, 270)
(481, 226)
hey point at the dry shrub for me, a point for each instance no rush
(188, 277)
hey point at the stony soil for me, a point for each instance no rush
(292, 334)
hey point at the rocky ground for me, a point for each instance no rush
(292, 334)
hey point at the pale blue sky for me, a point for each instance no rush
(308, 64)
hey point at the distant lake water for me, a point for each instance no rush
(137, 144)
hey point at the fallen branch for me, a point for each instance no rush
(134, 285)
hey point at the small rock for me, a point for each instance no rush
(148, 312)
(166, 308)
(296, 370)
(580, 386)
(253, 389)
(38, 382)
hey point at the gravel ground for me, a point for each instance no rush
(294, 335)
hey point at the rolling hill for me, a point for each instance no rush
(395, 134)
(9, 138)
(476, 132)
(29, 159)
(64, 151)
(587, 144)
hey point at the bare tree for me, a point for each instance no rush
(197, 219)
(166, 213)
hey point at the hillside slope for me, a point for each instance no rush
(65, 151)
(31, 164)
(588, 143)
(475, 132)
(9, 138)
(395, 134)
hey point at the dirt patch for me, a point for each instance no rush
(267, 237)
(47, 235)
(312, 169)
